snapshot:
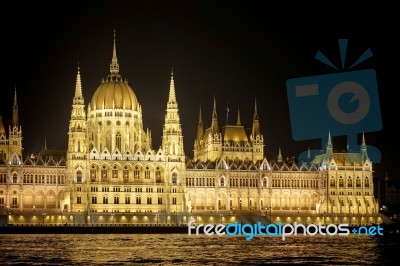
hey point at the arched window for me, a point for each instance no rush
(265, 182)
(349, 182)
(332, 182)
(136, 173)
(115, 172)
(126, 172)
(93, 173)
(358, 182)
(222, 181)
(15, 178)
(104, 172)
(174, 178)
(366, 184)
(158, 175)
(108, 142)
(147, 173)
(79, 177)
(118, 141)
(341, 182)
(127, 200)
(105, 199)
(3, 155)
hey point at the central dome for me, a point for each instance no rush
(113, 93)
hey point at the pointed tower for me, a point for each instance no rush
(198, 142)
(200, 130)
(238, 123)
(2, 129)
(256, 122)
(114, 66)
(329, 147)
(363, 150)
(279, 159)
(256, 137)
(3, 140)
(214, 120)
(77, 150)
(15, 132)
(172, 140)
(15, 110)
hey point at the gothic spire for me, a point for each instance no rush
(256, 123)
(2, 129)
(114, 66)
(238, 123)
(172, 96)
(363, 149)
(78, 84)
(78, 97)
(329, 145)
(200, 126)
(15, 109)
(214, 122)
(279, 159)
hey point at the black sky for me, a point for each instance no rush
(235, 51)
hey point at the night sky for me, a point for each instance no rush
(234, 51)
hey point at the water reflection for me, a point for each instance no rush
(122, 249)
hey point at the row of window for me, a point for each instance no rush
(349, 182)
(37, 179)
(126, 189)
(251, 182)
(149, 200)
(307, 183)
(358, 193)
(14, 201)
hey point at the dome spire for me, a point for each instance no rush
(114, 66)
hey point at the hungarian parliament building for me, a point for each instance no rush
(110, 167)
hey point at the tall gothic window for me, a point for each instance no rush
(158, 175)
(136, 172)
(79, 177)
(366, 184)
(222, 181)
(147, 173)
(118, 141)
(126, 172)
(108, 142)
(174, 178)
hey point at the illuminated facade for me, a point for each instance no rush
(111, 167)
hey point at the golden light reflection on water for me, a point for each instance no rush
(122, 249)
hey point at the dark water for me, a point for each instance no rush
(124, 249)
